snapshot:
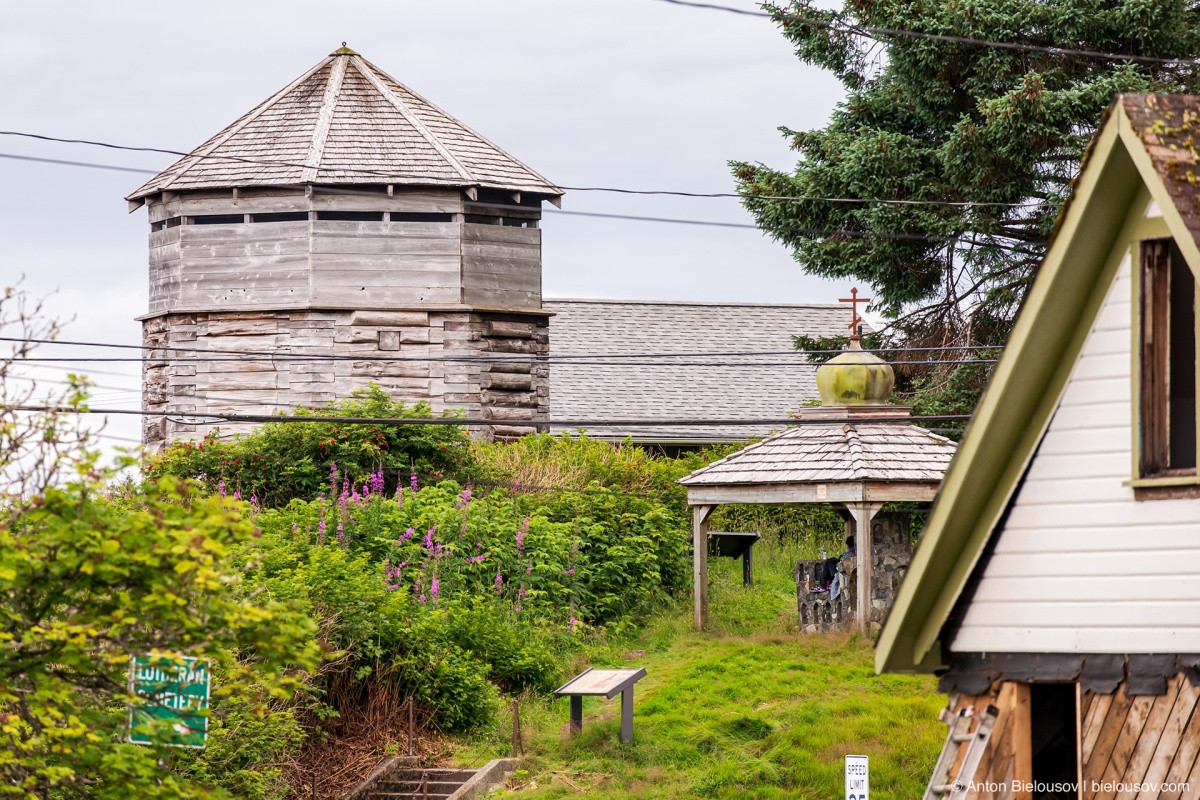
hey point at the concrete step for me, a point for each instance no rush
(398, 779)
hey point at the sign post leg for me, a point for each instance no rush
(576, 714)
(627, 716)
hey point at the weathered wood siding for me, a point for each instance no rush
(502, 266)
(1080, 565)
(251, 264)
(385, 264)
(1147, 740)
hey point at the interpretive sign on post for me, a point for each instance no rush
(607, 683)
(172, 705)
(857, 783)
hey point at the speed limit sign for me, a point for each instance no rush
(857, 781)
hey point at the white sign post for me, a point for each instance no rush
(857, 780)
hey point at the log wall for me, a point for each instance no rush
(178, 385)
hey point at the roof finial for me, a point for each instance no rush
(855, 320)
(343, 51)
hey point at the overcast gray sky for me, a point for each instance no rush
(627, 93)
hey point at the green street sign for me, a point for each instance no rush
(173, 704)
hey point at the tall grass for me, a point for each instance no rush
(747, 709)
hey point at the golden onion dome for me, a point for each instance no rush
(855, 378)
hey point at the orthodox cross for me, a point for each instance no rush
(854, 300)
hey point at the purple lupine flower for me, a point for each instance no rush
(499, 582)
(435, 587)
(221, 488)
(412, 479)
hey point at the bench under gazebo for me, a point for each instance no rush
(854, 451)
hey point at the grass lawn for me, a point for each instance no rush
(748, 709)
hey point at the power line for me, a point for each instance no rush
(608, 189)
(872, 32)
(461, 421)
(615, 362)
(513, 357)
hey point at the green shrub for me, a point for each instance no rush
(281, 461)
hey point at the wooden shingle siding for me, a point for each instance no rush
(1080, 565)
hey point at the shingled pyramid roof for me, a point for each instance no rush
(847, 449)
(345, 121)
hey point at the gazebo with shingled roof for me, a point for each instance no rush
(854, 451)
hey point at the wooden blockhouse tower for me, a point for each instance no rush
(343, 220)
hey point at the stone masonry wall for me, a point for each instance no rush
(891, 553)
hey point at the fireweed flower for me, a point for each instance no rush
(412, 480)
(571, 571)
(377, 482)
(429, 540)
(499, 583)
(237, 495)
(476, 559)
(253, 504)
(435, 587)
(521, 531)
(408, 534)
(521, 592)
(341, 533)
(321, 530)
(221, 488)
(464, 499)
(572, 622)
(399, 497)
(333, 478)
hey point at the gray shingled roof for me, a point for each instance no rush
(346, 121)
(758, 387)
(891, 452)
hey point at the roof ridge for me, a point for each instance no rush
(316, 149)
(367, 70)
(197, 155)
(465, 127)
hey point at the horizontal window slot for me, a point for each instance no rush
(217, 219)
(351, 216)
(405, 216)
(281, 216)
(520, 223)
(480, 219)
